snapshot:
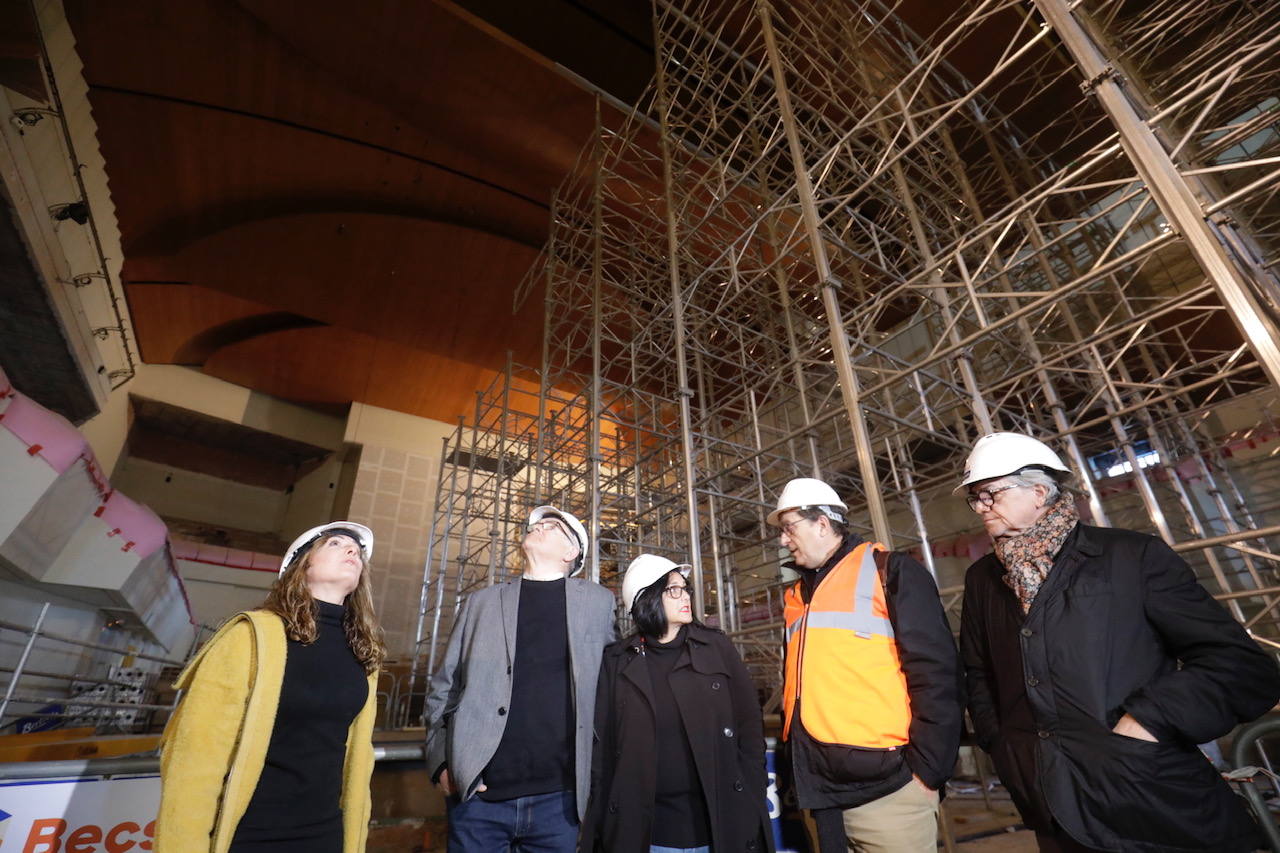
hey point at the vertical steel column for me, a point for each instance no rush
(499, 505)
(762, 525)
(964, 360)
(592, 560)
(840, 353)
(444, 551)
(1047, 386)
(468, 498)
(426, 571)
(1113, 403)
(712, 502)
(1238, 242)
(540, 454)
(909, 484)
(1168, 187)
(22, 660)
(677, 319)
(784, 298)
(1184, 499)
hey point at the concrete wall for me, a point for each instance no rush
(314, 499)
(394, 493)
(217, 592)
(383, 473)
(200, 497)
(191, 389)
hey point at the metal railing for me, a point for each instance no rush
(1246, 742)
(141, 765)
(75, 705)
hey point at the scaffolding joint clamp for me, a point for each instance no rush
(686, 392)
(1088, 86)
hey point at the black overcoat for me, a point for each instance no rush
(721, 715)
(1120, 626)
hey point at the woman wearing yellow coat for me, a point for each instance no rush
(271, 748)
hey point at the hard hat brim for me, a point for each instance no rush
(364, 536)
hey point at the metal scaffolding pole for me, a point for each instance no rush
(830, 299)
(812, 217)
(592, 560)
(683, 388)
(1168, 187)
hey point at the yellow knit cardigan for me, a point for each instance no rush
(215, 744)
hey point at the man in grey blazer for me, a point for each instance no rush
(509, 716)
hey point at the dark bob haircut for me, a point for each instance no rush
(648, 614)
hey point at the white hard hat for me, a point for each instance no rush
(805, 493)
(358, 532)
(643, 571)
(575, 527)
(1000, 453)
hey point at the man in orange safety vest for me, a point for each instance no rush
(871, 696)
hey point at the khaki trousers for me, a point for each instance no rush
(905, 821)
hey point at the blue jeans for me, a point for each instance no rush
(539, 823)
(655, 848)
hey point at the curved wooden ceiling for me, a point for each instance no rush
(331, 202)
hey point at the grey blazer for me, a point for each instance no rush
(471, 689)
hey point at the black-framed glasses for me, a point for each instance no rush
(986, 498)
(676, 591)
(552, 524)
(789, 527)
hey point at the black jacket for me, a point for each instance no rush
(1120, 626)
(835, 776)
(721, 715)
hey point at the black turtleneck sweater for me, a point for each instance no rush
(297, 798)
(536, 753)
(680, 816)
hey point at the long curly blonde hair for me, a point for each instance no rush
(291, 600)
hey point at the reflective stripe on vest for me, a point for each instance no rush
(862, 621)
(842, 659)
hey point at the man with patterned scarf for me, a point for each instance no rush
(1095, 664)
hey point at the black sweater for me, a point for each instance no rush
(680, 817)
(536, 753)
(324, 688)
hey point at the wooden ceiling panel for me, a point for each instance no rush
(173, 314)
(423, 284)
(181, 173)
(324, 366)
(384, 170)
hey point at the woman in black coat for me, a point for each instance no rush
(678, 762)
(1095, 664)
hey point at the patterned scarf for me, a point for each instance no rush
(1029, 557)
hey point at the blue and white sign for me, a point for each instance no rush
(82, 815)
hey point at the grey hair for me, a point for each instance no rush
(1031, 477)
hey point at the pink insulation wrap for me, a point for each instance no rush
(46, 434)
(140, 530)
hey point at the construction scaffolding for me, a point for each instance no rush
(843, 238)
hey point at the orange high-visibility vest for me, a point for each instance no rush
(842, 659)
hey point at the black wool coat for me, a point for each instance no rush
(1120, 626)
(721, 715)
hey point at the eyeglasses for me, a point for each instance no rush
(789, 527)
(676, 591)
(986, 498)
(552, 524)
